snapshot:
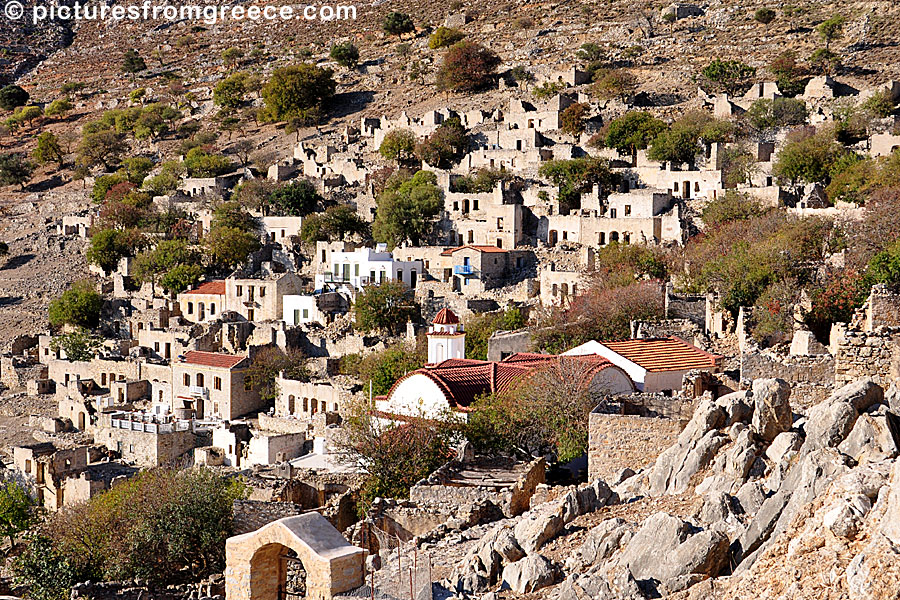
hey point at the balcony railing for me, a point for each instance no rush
(335, 278)
(199, 392)
(463, 270)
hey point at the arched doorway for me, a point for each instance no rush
(292, 558)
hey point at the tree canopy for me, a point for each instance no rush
(294, 91)
(407, 209)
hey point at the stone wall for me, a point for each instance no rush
(686, 306)
(861, 354)
(147, 449)
(679, 408)
(811, 377)
(503, 343)
(683, 328)
(440, 488)
(617, 441)
(882, 309)
(250, 515)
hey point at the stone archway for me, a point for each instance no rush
(256, 566)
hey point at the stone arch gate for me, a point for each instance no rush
(256, 570)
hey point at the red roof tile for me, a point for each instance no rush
(212, 359)
(463, 380)
(664, 354)
(446, 316)
(216, 287)
(450, 251)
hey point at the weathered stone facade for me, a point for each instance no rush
(617, 441)
(860, 354)
(811, 377)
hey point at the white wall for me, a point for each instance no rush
(293, 303)
(416, 396)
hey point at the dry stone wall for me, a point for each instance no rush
(616, 442)
(861, 354)
(811, 377)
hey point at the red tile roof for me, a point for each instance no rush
(212, 359)
(446, 316)
(450, 251)
(216, 287)
(463, 380)
(664, 354)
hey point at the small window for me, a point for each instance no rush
(306, 405)
(456, 205)
(262, 292)
(200, 380)
(324, 407)
(627, 209)
(296, 316)
(696, 186)
(217, 383)
(190, 308)
(356, 270)
(612, 213)
(240, 290)
(474, 204)
(676, 186)
(187, 379)
(305, 313)
(28, 466)
(212, 308)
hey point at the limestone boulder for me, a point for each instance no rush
(771, 408)
(618, 584)
(666, 548)
(832, 420)
(738, 407)
(783, 446)
(890, 523)
(599, 544)
(869, 440)
(533, 531)
(530, 574)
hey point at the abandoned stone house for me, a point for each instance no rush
(195, 187)
(560, 287)
(259, 297)
(494, 218)
(280, 229)
(145, 439)
(302, 400)
(299, 309)
(48, 466)
(645, 215)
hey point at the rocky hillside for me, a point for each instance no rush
(751, 502)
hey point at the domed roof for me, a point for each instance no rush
(445, 317)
